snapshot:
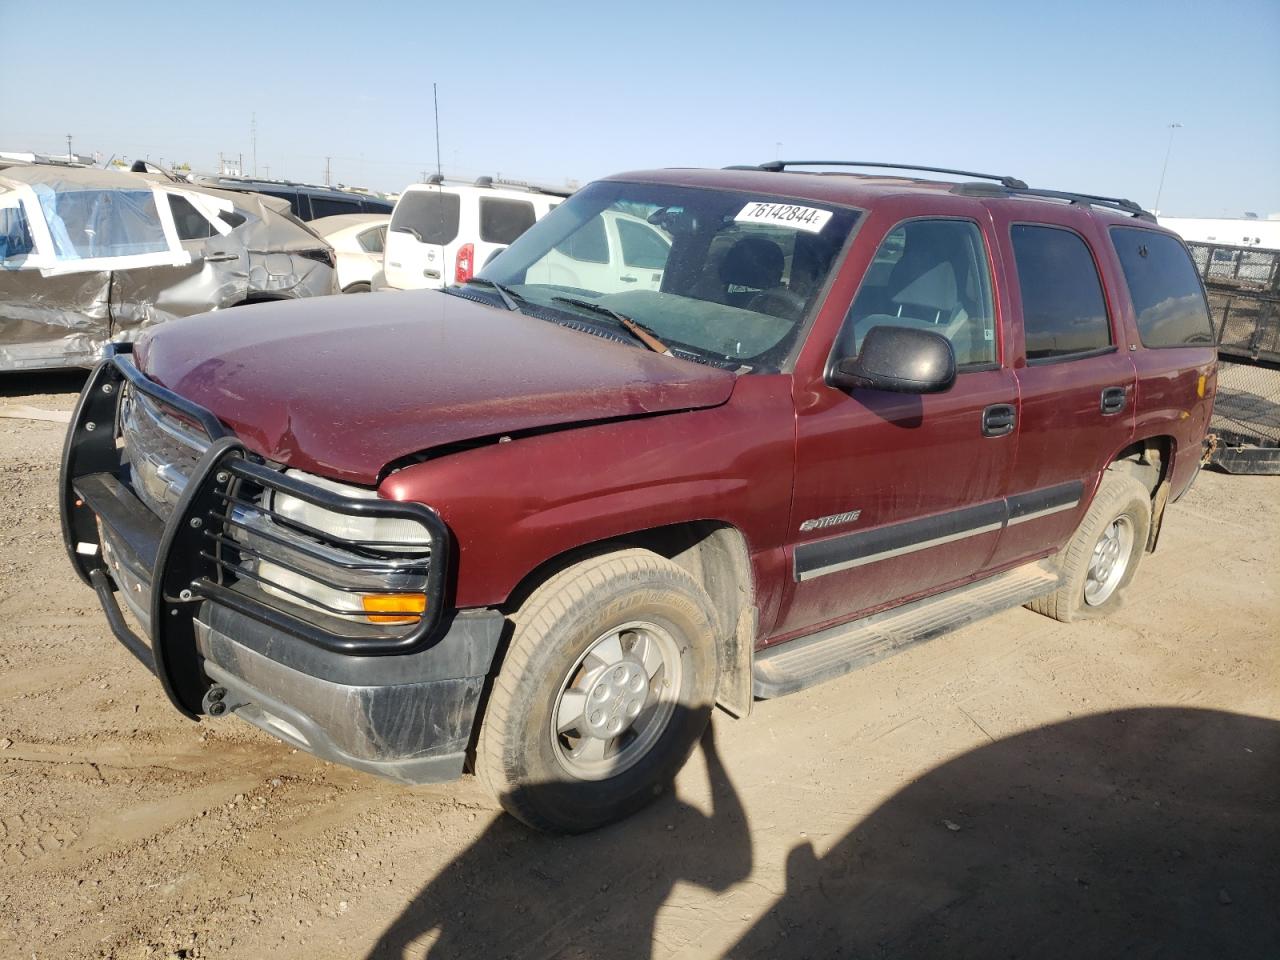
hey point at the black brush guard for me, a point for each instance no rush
(194, 557)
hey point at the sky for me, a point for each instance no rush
(1067, 96)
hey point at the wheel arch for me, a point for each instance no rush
(1150, 460)
(716, 554)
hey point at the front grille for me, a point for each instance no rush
(162, 451)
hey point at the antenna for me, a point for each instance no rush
(435, 97)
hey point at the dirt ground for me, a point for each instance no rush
(1021, 788)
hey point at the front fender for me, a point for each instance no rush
(513, 506)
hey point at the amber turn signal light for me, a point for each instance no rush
(394, 607)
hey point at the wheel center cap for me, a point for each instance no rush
(615, 699)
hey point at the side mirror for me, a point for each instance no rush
(899, 360)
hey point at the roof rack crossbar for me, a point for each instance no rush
(777, 166)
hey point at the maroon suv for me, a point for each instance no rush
(697, 437)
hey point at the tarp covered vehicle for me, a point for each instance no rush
(90, 256)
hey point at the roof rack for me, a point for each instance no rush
(777, 166)
(1070, 196)
(1002, 185)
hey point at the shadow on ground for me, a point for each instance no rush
(519, 893)
(42, 382)
(1142, 833)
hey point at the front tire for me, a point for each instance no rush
(1103, 554)
(606, 686)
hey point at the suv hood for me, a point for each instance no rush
(342, 386)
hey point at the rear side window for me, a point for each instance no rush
(588, 243)
(1063, 309)
(1164, 287)
(190, 222)
(331, 207)
(103, 223)
(431, 214)
(642, 246)
(502, 221)
(375, 206)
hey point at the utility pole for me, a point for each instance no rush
(266, 171)
(253, 136)
(326, 170)
(70, 155)
(436, 100)
(1167, 152)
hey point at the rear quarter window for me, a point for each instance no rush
(15, 234)
(371, 240)
(332, 207)
(190, 223)
(1064, 312)
(296, 203)
(433, 214)
(502, 221)
(1168, 300)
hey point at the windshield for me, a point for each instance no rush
(718, 275)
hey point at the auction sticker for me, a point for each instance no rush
(808, 219)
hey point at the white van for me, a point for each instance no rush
(442, 233)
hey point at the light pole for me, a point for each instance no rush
(70, 155)
(1164, 169)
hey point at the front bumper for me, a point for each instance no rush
(400, 705)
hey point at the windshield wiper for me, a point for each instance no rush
(509, 296)
(633, 328)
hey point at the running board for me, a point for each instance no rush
(837, 650)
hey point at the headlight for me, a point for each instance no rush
(400, 536)
(369, 568)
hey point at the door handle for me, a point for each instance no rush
(1114, 400)
(220, 257)
(998, 420)
(627, 279)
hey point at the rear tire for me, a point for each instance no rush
(1102, 556)
(357, 288)
(606, 686)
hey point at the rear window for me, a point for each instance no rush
(502, 221)
(431, 214)
(332, 207)
(1167, 297)
(1063, 309)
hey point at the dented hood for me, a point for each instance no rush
(342, 386)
